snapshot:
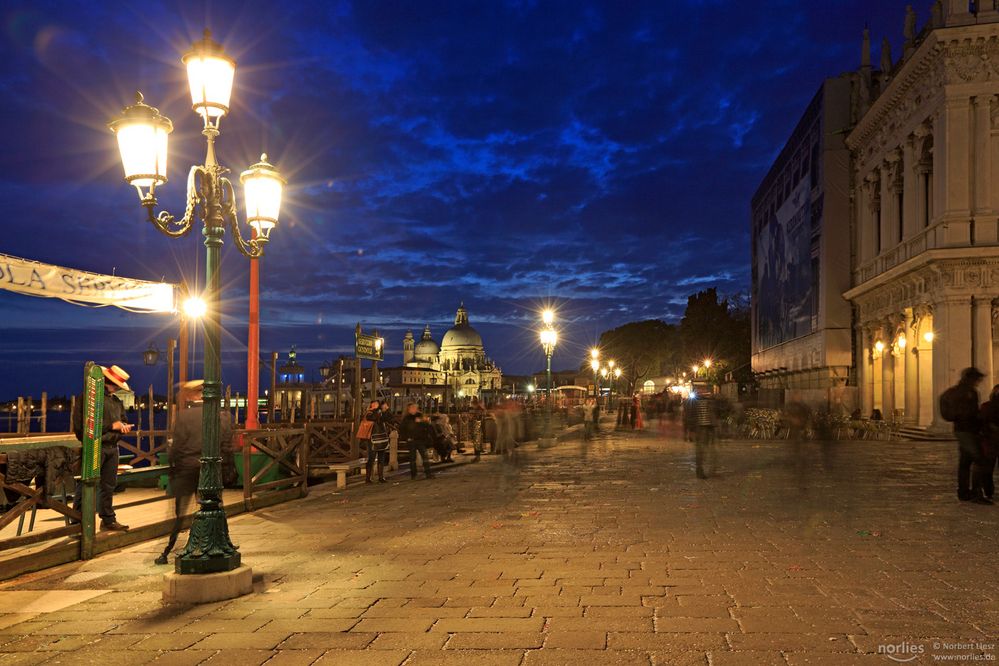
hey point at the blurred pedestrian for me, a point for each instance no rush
(185, 451)
(960, 405)
(589, 418)
(421, 438)
(705, 421)
(376, 438)
(985, 485)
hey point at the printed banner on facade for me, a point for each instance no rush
(787, 271)
(47, 281)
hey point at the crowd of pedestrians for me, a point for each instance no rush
(976, 428)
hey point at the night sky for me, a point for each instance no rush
(596, 156)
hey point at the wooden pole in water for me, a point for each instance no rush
(152, 418)
(20, 415)
(72, 410)
(171, 345)
(273, 398)
(45, 410)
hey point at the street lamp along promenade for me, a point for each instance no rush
(142, 134)
(549, 338)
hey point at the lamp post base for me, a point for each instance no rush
(207, 588)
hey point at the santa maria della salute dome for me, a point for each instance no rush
(459, 362)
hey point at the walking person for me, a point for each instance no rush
(960, 405)
(589, 415)
(114, 426)
(985, 485)
(705, 422)
(185, 452)
(421, 438)
(407, 427)
(376, 439)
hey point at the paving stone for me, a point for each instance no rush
(568, 544)
(363, 658)
(489, 624)
(261, 640)
(295, 657)
(561, 657)
(466, 657)
(339, 640)
(580, 640)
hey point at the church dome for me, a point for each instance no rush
(462, 334)
(426, 347)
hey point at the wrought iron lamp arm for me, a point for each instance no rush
(167, 223)
(251, 248)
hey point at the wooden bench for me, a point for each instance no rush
(340, 469)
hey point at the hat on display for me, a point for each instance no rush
(116, 376)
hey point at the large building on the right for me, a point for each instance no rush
(924, 215)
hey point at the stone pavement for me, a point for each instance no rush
(610, 552)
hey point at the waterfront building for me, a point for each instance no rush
(801, 344)
(923, 222)
(925, 163)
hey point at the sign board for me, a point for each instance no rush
(74, 286)
(370, 347)
(93, 420)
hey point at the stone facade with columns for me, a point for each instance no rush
(925, 164)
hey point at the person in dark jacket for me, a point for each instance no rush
(378, 444)
(967, 429)
(443, 437)
(421, 438)
(186, 451)
(984, 482)
(113, 428)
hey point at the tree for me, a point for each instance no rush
(718, 330)
(640, 349)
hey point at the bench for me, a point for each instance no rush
(340, 469)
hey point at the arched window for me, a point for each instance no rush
(649, 386)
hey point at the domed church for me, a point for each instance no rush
(459, 362)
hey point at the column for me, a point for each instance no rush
(951, 349)
(911, 221)
(865, 376)
(985, 215)
(888, 381)
(911, 369)
(982, 343)
(865, 249)
(885, 219)
(951, 151)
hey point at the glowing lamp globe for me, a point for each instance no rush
(142, 141)
(262, 188)
(209, 73)
(548, 317)
(595, 364)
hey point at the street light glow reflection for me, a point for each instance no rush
(195, 307)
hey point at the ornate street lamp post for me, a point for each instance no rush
(549, 338)
(595, 366)
(142, 140)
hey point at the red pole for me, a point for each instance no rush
(253, 348)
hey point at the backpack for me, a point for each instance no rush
(950, 404)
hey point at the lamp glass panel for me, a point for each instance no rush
(143, 148)
(263, 198)
(211, 83)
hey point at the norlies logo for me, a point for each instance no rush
(902, 652)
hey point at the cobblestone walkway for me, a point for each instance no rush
(605, 553)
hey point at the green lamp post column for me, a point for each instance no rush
(142, 134)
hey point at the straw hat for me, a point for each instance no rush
(116, 376)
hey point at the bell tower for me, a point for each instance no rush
(408, 348)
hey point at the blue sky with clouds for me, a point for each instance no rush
(596, 155)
